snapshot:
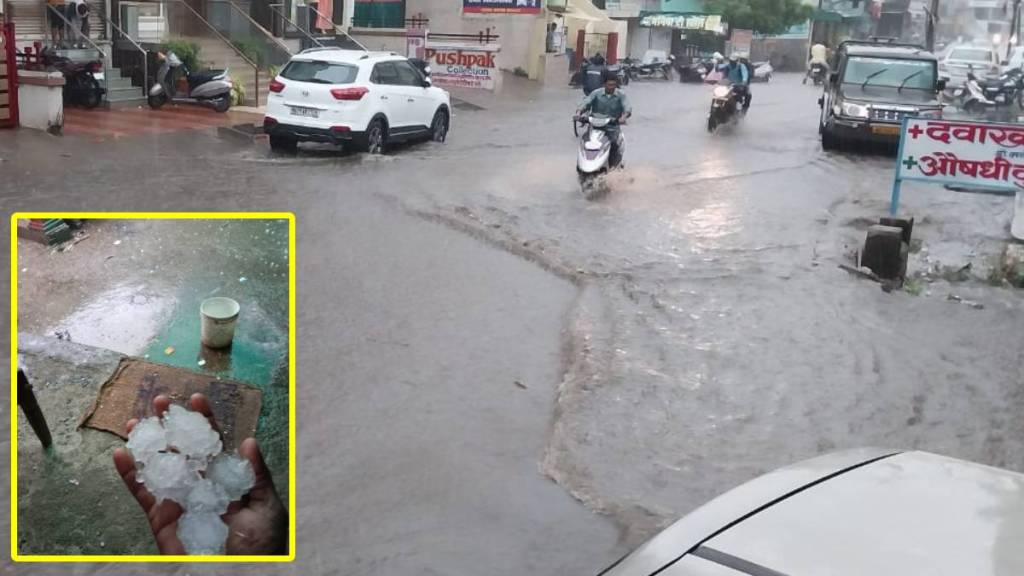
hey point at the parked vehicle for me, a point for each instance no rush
(726, 106)
(763, 71)
(81, 86)
(656, 65)
(873, 87)
(977, 96)
(818, 73)
(176, 83)
(980, 60)
(595, 158)
(695, 71)
(851, 513)
(354, 98)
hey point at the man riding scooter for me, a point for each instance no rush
(738, 75)
(609, 101)
(818, 64)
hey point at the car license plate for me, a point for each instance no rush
(305, 112)
(885, 130)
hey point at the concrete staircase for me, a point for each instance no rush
(214, 53)
(120, 91)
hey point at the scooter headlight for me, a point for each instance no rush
(853, 110)
(721, 92)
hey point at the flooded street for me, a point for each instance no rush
(497, 376)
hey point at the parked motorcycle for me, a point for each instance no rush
(658, 67)
(210, 88)
(817, 74)
(979, 95)
(595, 159)
(726, 105)
(80, 84)
(695, 71)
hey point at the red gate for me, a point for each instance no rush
(8, 77)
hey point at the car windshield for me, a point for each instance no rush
(971, 55)
(919, 74)
(319, 72)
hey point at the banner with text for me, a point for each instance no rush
(964, 153)
(501, 6)
(457, 66)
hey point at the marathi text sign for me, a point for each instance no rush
(969, 154)
(462, 66)
(709, 22)
(501, 6)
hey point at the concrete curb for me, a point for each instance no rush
(244, 133)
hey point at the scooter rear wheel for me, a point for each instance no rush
(156, 101)
(222, 104)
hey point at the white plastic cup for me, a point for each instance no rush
(218, 317)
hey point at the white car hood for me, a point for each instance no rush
(913, 513)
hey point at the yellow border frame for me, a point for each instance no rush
(291, 385)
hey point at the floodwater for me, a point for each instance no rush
(698, 331)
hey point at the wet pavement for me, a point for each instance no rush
(102, 124)
(685, 333)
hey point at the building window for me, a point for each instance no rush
(379, 14)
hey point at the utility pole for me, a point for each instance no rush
(933, 18)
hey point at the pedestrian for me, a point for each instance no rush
(78, 16)
(55, 10)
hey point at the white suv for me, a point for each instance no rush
(353, 97)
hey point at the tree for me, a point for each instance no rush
(763, 16)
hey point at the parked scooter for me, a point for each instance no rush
(80, 84)
(726, 105)
(763, 72)
(594, 159)
(210, 88)
(695, 71)
(978, 95)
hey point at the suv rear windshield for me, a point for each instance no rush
(319, 72)
(919, 74)
(971, 55)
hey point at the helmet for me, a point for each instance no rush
(718, 56)
(734, 56)
(607, 75)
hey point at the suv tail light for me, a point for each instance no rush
(276, 85)
(349, 93)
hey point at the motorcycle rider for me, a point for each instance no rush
(593, 74)
(738, 75)
(609, 101)
(819, 56)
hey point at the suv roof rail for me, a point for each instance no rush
(876, 40)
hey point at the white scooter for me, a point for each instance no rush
(594, 159)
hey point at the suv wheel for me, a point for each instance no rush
(283, 144)
(375, 137)
(439, 126)
(828, 139)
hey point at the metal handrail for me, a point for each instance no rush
(145, 54)
(263, 30)
(297, 27)
(256, 69)
(337, 29)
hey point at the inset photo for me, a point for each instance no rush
(155, 387)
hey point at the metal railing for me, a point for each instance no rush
(229, 43)
(337, 29)
(143, 51)
(274, 8)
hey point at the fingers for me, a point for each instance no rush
(200, 403)
(264, 486)
(125, 465)
(160, 405)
